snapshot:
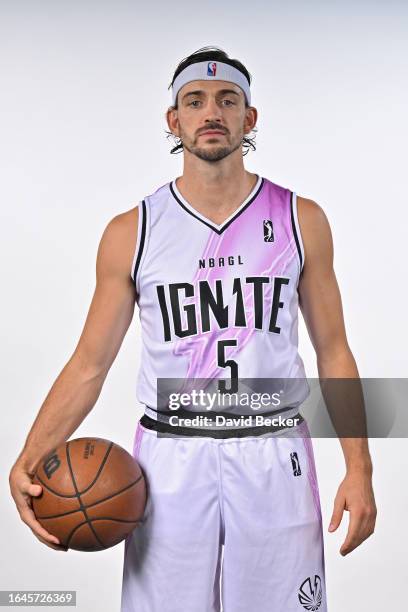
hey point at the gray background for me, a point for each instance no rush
(83, 97)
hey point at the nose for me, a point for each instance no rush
(213, 111)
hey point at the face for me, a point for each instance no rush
(211, 119)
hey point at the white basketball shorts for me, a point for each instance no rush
(230, 525)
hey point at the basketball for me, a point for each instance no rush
(94, 493)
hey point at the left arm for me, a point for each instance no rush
(320, 303)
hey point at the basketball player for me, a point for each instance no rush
(218, 261)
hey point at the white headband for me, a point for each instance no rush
(211, 71)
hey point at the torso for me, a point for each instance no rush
(210, 292)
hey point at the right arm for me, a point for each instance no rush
(77, 388)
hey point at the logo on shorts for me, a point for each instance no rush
(211, 68)
(310, 595)
(268, 230)
(295, 464)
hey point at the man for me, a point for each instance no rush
(218, 261)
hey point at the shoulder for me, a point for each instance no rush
(123, 222)
(315, 229)
(310, 211)
(118, 241)
(312, 217)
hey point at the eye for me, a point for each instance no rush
(229, 101)
(193, 102)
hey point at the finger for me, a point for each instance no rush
(19, 491)
(28, 517)
(362, 522)
(29, 488)
(368, 525)
(35, 490)
(337, 515)
(54, 546)
(24, 493)
(353, 536)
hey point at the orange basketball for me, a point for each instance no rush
(94, 493)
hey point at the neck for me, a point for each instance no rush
(215, 189)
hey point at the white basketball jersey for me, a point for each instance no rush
(219, 300)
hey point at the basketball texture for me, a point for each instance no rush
(94, 493)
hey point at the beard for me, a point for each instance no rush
(211, 154)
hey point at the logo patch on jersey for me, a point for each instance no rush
(295, 464)
(268, 230)
(211, 69)
(310, 595)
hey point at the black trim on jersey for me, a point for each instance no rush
(141, 244)
(292, 216)
(188, 414)
(208, 223)
(164, 428)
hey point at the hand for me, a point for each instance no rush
(356, 495)
(22, 489)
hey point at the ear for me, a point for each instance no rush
(251, 117)
(172, 120)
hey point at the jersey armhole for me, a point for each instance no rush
(296, 230)
(140, 248)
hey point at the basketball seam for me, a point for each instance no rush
(82, 507)
(98, 519)
(94, 503)
(87, 488)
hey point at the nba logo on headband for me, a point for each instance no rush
(208, 71)
(211, 69)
